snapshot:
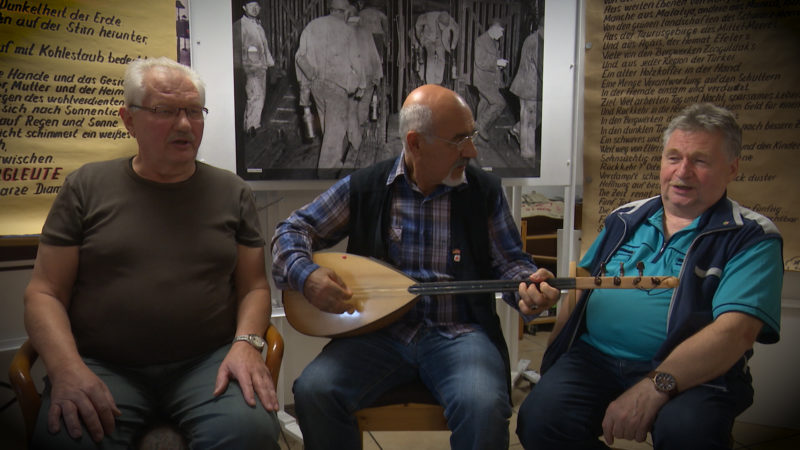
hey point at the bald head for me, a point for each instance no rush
(435, 97)
(426, 107)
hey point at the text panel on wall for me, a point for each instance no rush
(645, 63)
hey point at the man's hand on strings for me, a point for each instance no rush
(328, 292)
(538, 295)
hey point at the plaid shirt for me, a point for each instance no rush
(419, 246)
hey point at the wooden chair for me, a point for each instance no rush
(409, 407)
(30, 400)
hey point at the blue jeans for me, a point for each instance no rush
(565, 409)
(465, 374)
(181, 392)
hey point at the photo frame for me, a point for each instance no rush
(318, 85)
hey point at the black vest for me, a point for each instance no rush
(470, 208)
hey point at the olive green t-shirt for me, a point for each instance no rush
(155, 274)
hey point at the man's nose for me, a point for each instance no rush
(684, 168)
(469, 150)
(182, 119)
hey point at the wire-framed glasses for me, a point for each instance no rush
(173, 112)
(459, 144)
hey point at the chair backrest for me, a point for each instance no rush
(30, 400)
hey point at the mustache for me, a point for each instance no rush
(461, 162)
(182, 137)
(679, 183)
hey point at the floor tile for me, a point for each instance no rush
(400, 440)
(754, 436)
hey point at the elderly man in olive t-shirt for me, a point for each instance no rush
(149, 286)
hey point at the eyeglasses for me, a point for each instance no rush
(172, 113)
(459, 144)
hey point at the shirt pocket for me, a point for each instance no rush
(623, 256)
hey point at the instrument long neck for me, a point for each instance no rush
(484, 286)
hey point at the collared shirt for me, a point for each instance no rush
(419, 246)
(616, 317)
(632, 324)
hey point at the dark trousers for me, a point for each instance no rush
(565, 409)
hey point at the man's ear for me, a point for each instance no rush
(127, 120)
(734, 170)
(413, 139)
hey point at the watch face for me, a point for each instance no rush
(664, 382)
(256, 340)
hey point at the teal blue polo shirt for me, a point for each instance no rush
(632, 323)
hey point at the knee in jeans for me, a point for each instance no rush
(690, 431)
(484, 405)
(241, 425)
(310, 387)
(540, 408)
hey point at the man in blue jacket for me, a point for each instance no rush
(669, 362)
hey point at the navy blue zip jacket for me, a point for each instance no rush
(725, 229)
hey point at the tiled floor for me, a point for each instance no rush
(746, 436)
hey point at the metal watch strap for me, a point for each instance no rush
(251, 339)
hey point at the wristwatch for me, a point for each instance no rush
(252, 339)
(664, 382)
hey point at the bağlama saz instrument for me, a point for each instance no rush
(382, 294)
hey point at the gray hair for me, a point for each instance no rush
(416, 117)
(138, 68)
(709, 118)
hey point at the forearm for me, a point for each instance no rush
(49, 330)
(47, 299)
(508, 258)
(320, 224)
(291, 259)
(713, 350)
(254, 312)
(243, 361)
(254, 304)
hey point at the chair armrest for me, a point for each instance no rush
(274, 353)
(19, 374)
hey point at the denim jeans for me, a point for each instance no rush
(565, 409)
(465, 374)
(181, 392)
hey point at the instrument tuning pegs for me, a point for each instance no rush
(617, 279)
(598, 279)
(640, 268)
